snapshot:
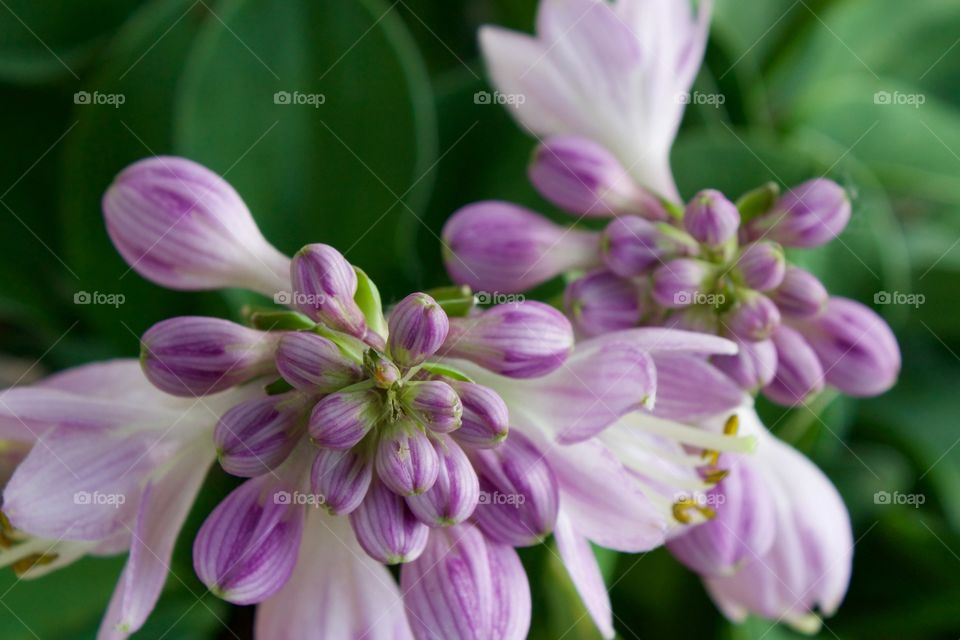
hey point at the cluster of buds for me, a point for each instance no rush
(367, 411)
(714, 266)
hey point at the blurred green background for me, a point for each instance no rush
(864, 91)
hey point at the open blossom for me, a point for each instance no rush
(789, 557)
(614, 73)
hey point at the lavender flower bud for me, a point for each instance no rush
(524, 340)
(762, 265)
(678, 283)
(247, 547)
(182, 226)
(381, 369)
(313, 363)
(486, 421)
(386, 529)
(342, 478)
(602, 301)
(808, 215)
(497, 246)
(256, 436)
(800, 293)
(754, 317)
(752, 367)
(342, 419)
(193, 356)
(742, 531)
(799, 373)
(632, 246)
(711, 218)
(418, 327)
(858, 351)
(582, 177)
(432, 403)
(454, 495)
(406, 460)
(518, 493)
(324, 284)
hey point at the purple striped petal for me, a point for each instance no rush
(466, 587)
(605, 378)
(247, 547)
(742, 530)
(418, 327)
(342, 478)
(518, 492)
(182, 226)
(690, 389)
(432, 403)
(313, 363)
(799, 373)
(524, 340)
(406, 460)
(342, 419)
(601, 302)
(336, 591)
(81, 484)
(454, 495)
(754, 317)
(762, 265)
(800, 293)
(809, 215)
(193, 356)
(324, 284)
(386, 529)
(680, 282)
(163, 509)
(857, 349)
(257, 435)
(711, 218)
(497, 247)
(485, 421)
(753, 366)
(584, 571)
(583, 178)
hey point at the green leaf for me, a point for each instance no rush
(368, 299)
(105, 140)
(39, 44)
(320, 114)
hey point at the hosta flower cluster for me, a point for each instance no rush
(604, 87)
(438, 436)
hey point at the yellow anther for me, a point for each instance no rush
(711, 456)
(5, 525)
(714, 476)
(23, 565)
(683, 507)
(732, 425)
